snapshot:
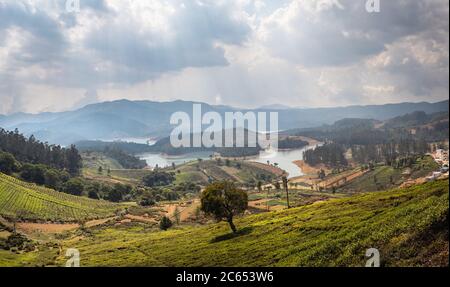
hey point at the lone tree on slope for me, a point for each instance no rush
(224, 201)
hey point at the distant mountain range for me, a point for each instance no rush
(132, 119)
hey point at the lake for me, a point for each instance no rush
(284, 159)
(148, 141)
(162, 161)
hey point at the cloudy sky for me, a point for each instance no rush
(244, 53)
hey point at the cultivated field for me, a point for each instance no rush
(24, 201)
(408, 226)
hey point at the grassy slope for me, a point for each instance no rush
(191, 172)
(383, 176)
(408, 226)
(94, 160)
(31, 202)
(199, 172)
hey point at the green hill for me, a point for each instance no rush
(408, 226)
(25, 201)
(385, 177)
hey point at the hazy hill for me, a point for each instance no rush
(418, 118)
(121, 119)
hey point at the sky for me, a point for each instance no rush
(243, 53)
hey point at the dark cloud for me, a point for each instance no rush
(344, 33)
(148, 54)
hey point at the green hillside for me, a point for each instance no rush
(408, 226)
(385, 177)
(238, 171)
(25, 201)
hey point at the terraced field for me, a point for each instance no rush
(408, 226)
(199, 172)
(385, 177)
(25, 201)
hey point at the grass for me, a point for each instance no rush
(192, 172)
(199, 172)
(423, 167)
(130, 174)
(385, 177)
(376, 180)
(94, 160)
(408, 226)
(296, 197)
(25, 201)
(44, 257)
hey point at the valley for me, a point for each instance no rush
(338, 190)
(331, 233)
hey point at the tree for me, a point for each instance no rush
(100, 170)
(52, 179)
(93, 195)
(74, 161)
(74, 186)
(8, 163)
(277, 185)
(165, 223)
(114, 195)
(322, 174)
(33, 173)
(285, 185)
(177, 215)
(158, 178)
(224, 201)
(29, 150)
(259, 186)
(118, 191)
(268, 188)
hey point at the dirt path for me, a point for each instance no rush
(46, 228)
(140, 218)
(186, 211)
(342, 178)
(53, 228)
(98, 222)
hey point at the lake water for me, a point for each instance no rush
(284, 159)
(148, 141)
(162, 161)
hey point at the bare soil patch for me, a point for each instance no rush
(186, 210)
(46, 228)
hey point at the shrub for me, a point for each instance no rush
(74, 186)
(165, 223)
